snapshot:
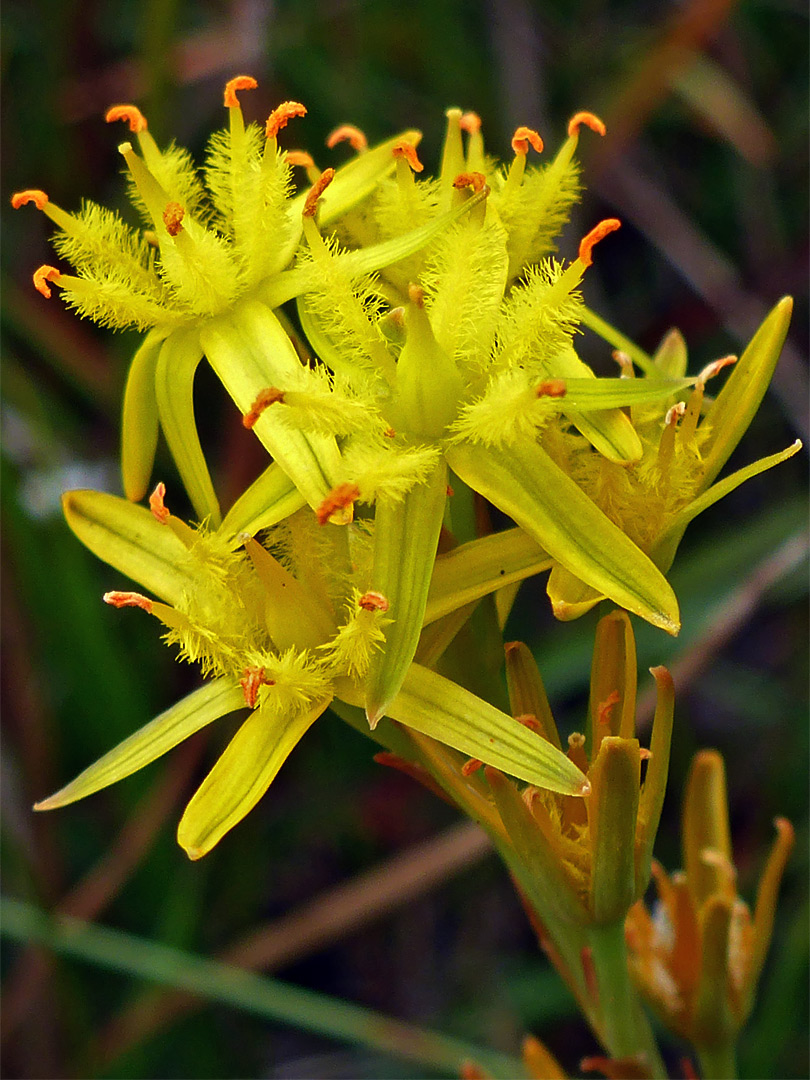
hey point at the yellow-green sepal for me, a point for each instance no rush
(570, 597)
(733, 409)
(480, 567)
(241, 775)
(406, 535)
(440, 708)
(584, 395)
(651, 800)
(250, 352)
(671, 358)
(131, 540)
(527, 694)
(212, 701)
(525, 483)
(271, 498)
(612, 812)
(294, 617)
(179, 357)
(139, 419)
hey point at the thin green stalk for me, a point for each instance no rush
(718, 1062)
(624, 1028)
(613, 337)
(268, 998)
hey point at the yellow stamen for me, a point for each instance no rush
(281, 116)
(350, 134)
(34, 195)
(264, 399)
(240, 82)
(406, 150)
(589, 119)
(318, 188)
(599, 232)
(159, 510)
(128, 599)
(339, 498)
(131, 113)
(521, 139)
(41, 278)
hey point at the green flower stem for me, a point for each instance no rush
(718, 1062)
(269, 998)
(624, 1028)
(613, 337)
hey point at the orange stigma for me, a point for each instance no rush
(41, 278)
(34, 195)
(159, 510)
(551, 388)
(281, 116)
(240, 82)
(338, 499)
(317, 189)
(475, 180)
(404, 149)
(128, 599)
(173, 218)
(521, 139)
(131, 113)
(589, 242)
(470, 122)
(589, 119)
(350, 134)
(300, 157)
(264, 399)
(373, 601)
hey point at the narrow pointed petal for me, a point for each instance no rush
(713, 1023)
(654, 789)
(583, 395)
(570, 597)
(539, 1062)
(241, 776)
(612, 811)
(130, 539)
(212, 701)
(671, 358)
(766, 898)
(174, 387)
(294, 618)
(269, 499)
(250, 351)
(406, 535)
(527, 694)
(139, 424)
(526, 484)
(735, 405)
(477, 568)
(439, 708)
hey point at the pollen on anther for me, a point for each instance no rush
(41, 278)
(347, 133)
(521, 139)
(475, 180)
(128, 599)
(553, 388)
(404, 149)
(240, 82)
(338, 499)
(373, 601)
(599, 232)
(416, 295)
(252, 679)
(715, 367)
(131, 113)
(173, 218)
(471, 766)
(605, 708)
(159, 510)
(589, 119)
(281, 116)
(264, 399)
(470, 122)
(674, 414)
(34, 195)
(528, 720)
(315, 192)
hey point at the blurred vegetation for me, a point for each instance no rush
(706, 163)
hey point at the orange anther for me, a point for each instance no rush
(131, 113)
(471, 766)
(407, 150)
(599, 232)
(281, 115)
(347, 133)
(475, 180)
(128, 599)
(41, 278)
(521, 139)
(416, 295)
(317, 189)
(605, 708)
(338, 499)
(715, 366)
(373, 601)
(450, 492)
(240, 82)
(644, 754)
(528, 720)
(389, 433)
(34, 195)
(173, 218)
(589, 119)
(300, 157)
(252, 679)
(470, 122)
(264, 399)
(674, 414)
(551, 388)
(159, 510)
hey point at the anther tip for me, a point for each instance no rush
(523, 137)
(317, 189)
(34, 195)
(240, 82)
(470, 122)
(599, 232)
(589, 119)
(131, 113)
(406, 150)
(281, 116)
(41, 278)
(350, 134)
